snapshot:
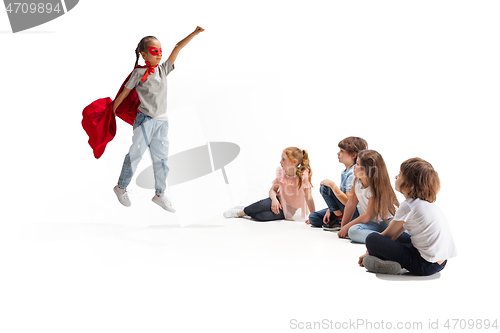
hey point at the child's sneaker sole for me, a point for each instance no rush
(377, 265)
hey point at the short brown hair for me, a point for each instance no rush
(420, 180)
(353, 145)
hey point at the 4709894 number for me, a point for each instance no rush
(25, 8)
(469, 324)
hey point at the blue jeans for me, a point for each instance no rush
(358, 232)
(333, 203)
(152, 133)
(402, 251)
(261, 211)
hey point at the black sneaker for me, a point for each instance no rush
(333, 225)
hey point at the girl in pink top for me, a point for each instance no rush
(290, 191)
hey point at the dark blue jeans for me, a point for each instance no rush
(333, 203)
(402, 251)
(261, 211)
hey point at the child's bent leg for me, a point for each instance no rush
(359, 232)
(159, 154)
(402, 252)
(387, 249)
(316, 218)
(331, 200)
(140, 142)
(268, 216)
(261, 211)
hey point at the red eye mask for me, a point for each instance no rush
(154, 51)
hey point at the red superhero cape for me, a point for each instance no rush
(99, 120)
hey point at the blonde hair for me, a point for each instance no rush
(384, 198)
(302, 158)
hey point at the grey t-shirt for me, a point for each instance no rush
(152, 92)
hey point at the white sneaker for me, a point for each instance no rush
(162, 201)
(122, 195)
(230, 213)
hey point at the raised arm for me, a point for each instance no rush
(183, 43)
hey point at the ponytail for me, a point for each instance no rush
(302, 158)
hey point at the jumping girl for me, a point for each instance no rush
(151, 122)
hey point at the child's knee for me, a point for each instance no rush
(325, 190)
(371, 240)
(316, 219)
(355, 234)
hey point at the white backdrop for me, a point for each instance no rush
(414, 78)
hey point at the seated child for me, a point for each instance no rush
(428, 244)
(336, 196)
(290, 191)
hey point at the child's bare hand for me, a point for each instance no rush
(198, 30)
(328, 182)
(276, 206)
(343, 232)
(326, 218)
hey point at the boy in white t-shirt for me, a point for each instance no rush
(424, 250)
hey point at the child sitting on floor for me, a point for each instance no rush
(427, 245)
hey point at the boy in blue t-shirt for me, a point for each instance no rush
(336, 196)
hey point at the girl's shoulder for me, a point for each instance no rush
(356, 182)
(280, 174)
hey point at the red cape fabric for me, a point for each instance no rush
(99, 120)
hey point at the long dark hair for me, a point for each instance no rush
(142, 47)
(384, 198)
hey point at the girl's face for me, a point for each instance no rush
(287, 164)
(345, 158)
(359, 171)
(153, 53)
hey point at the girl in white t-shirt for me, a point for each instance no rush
(427, 245)
(376, 198)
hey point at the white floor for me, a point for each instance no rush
(412, 79)
(122, 273)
